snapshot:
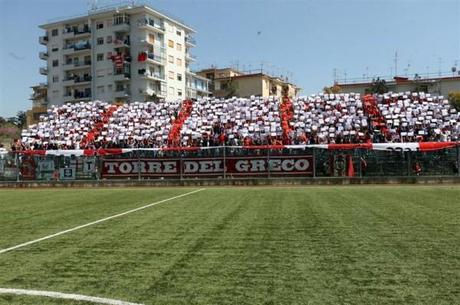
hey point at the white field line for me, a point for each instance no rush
(95, 222)
(67, 296)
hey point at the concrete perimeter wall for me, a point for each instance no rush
(237, 182)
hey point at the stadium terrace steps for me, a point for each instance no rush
(184, 113)
(315, 119)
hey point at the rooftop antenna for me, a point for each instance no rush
(439, 65)
(93, 5)
(406, 70)
(396, 63)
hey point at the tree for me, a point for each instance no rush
(20, 120)
(333, 89)
(454, 99)
(379, 86)
(230, 91)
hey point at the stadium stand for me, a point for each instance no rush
(415, 117)
(315, 119)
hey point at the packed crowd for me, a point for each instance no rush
(315, 119)
(414, 117)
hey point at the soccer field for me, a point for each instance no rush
(310, 245)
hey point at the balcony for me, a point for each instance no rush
(190, 57)
(67, 98)
(156, 59)
(151, 76)
(190, 41)
(158, 92)
(82, 95)
(122, 43)
(151, 26)
(43, 55)
(122, 93)
(70, 32)
(43, 71)
(68, 81)
(43, 40)
(121, 27)
(155, 43)
(73, 48)
(80, 33)
(119, 77)
(77, 65)
(82, 80)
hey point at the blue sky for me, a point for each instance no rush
(307, 38)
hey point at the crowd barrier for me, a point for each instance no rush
(293, 161)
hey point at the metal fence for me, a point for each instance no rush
(231, 163)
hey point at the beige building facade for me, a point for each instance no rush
(439, 86)
(229, 82)
(118, 54)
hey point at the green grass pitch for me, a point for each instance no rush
(312, 245)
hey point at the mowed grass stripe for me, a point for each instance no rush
(30, 214)
(337, 245)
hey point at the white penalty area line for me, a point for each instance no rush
(67, 296)
(96, 222)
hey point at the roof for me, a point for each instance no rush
(110, 10)
(263, 75)
(404, 81)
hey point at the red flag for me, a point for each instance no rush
(350, 169)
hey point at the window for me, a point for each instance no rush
(100, 40)
(100, 57)
(179, 92)
(100, 25)
(179, 47)
(109, 55)
(171, 59)
(54, 32)
(179, 33)
(171, 90)
(55, 78)
(100, 73)
(179, 77)
(151, 38)
(108, 39)
(100, 89)
(170, 43)
(109, 71)
(171, 75)
(55, 63)
(109, 88)
(179, 62)
(54, 48)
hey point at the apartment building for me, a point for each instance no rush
(117, 54)
(227, 82)
(439, 85)
(196, 86)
